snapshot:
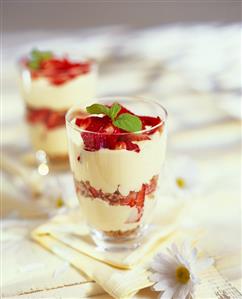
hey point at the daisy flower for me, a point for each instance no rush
(183, 177)
(175, 273)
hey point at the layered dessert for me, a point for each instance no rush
(116, 158)
(50, 85)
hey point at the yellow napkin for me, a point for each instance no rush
(121, 274)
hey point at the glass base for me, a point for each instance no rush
(118, 241)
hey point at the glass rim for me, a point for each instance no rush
(142, 99)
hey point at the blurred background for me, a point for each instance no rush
(26, 15)
(186, 54)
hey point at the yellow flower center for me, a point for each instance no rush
(180, 182)
(59, 202)
(182, 274)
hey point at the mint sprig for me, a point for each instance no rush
(98, 109)
(125, 121)
(114, 110)
(36, 57)
(128, 122)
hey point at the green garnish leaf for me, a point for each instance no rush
(114, 110)
(98, 109)
(34, 65)
(36, 57)
(128, 122)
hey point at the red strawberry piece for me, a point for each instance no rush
(83, 123)
(85, 68)
(55, 119)
(140, 201)
(151, 187)
(59, 71)
(93, 191)
(111, 134)
(148, 121)
(103, 136)
(132, 146)
(49, 118)
(37, 115)
(130, 200)
(74, 72)
(59, 79)
(97, 124)
(140, 197)
(120, 145)
(91, 141)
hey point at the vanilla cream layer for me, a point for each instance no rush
(110, 170)
(39, 93)
(102, 216)
(53, 142)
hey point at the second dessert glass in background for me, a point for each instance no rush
(50, 84)
(116, 172)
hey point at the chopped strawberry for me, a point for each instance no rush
(148, 121)
(97, 123)
(37, 115)
(93, 191)
(140, 202)
(133, 199)
(104, 134)
(60, 71)
(132, 146)
(140, 197)
(83, 122)
(120, 145)
(47, 117)
(92, 142)
(55, 119)
(151, 187)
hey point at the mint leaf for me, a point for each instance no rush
(114, 110)
(34, 64)
(128, 122)
(98, 109)
(46, 55)
(36, 57)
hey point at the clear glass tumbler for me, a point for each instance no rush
(49, 90)
(116, 174)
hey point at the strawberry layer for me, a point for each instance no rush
(49, 118)
(103, 134)
(133, 199)
(59, 71)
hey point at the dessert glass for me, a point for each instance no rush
(117, 187)
(47, 98)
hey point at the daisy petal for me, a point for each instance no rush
(160, 286)
(183, 291)
(155, 267)
(168, 294)
(155, 277)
